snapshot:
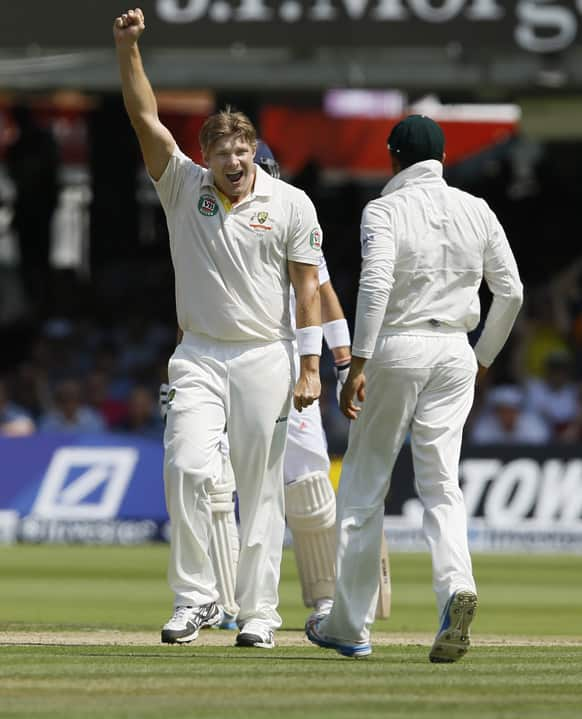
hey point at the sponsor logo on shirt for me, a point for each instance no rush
(207, 206)
(315, 239)
(258, 221)
(280, 419)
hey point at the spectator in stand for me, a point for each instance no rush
(33, 164)
(69, 414)
(555, 395)
(14, 421)
(99, 398)
(506, 421)
(30, 389)
(543, 330)
(143, 418)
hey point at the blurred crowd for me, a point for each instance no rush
(85, 349)
(80, 376)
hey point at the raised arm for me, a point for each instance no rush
(156, 141)
(305, 281)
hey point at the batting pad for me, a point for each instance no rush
(310, 504)
(224, 543)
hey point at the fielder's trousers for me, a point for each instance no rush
(246, 387)
(419, 383)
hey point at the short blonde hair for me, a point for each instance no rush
(223, 123)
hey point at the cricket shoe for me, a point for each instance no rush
(322, 608)
(452, 640)
(228, 621)
(255, 634)
(355, 650)
(186, 622)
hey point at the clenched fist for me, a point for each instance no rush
(128, 27)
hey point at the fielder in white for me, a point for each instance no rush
(309, 495)
(426, 248)
(310, 504)
(238, 237)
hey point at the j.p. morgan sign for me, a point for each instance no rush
(536, 26)
(533, 25)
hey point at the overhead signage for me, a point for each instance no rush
(533, 26)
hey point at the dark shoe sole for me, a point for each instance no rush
(253, 640)
(171, 637)
(452, 643)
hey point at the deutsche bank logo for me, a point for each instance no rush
(85, 483)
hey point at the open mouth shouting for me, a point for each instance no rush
(234, 177)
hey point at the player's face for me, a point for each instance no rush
(231, 160)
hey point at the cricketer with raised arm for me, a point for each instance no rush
(238, 238)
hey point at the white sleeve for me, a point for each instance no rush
(305, 235)
(376, 278)
(502, 277)
(170, 183)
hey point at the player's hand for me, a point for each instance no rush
(307, 389)
(163, 400)
(128, 27)
(342, 371)
(355, 386)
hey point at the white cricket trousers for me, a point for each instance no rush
(422, 384)
(245, 386)
(306, 441)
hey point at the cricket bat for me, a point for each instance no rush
(385, 593)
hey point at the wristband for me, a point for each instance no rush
(343, 363)
(309, 340)
(336, 333)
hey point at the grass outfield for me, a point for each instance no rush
(79, 630)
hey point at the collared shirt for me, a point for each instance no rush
(426, 248)
(230, 263)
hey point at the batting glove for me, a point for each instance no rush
(341, 374)
(163, 400)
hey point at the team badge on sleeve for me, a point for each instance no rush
(207, 206)
(315, 239)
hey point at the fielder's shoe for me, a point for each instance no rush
(255, 634)
(452, 640)
(186, 622)
(227, 621)
(355, 650)
(322, 608)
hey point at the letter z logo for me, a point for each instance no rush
(85, 483)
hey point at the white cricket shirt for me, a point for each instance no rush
(426, 248)
(232, 281)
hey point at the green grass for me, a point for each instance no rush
(54, 588)
(209, 682)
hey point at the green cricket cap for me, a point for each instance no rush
(417, 138)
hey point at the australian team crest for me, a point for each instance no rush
(207, 206)
(259, 223)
